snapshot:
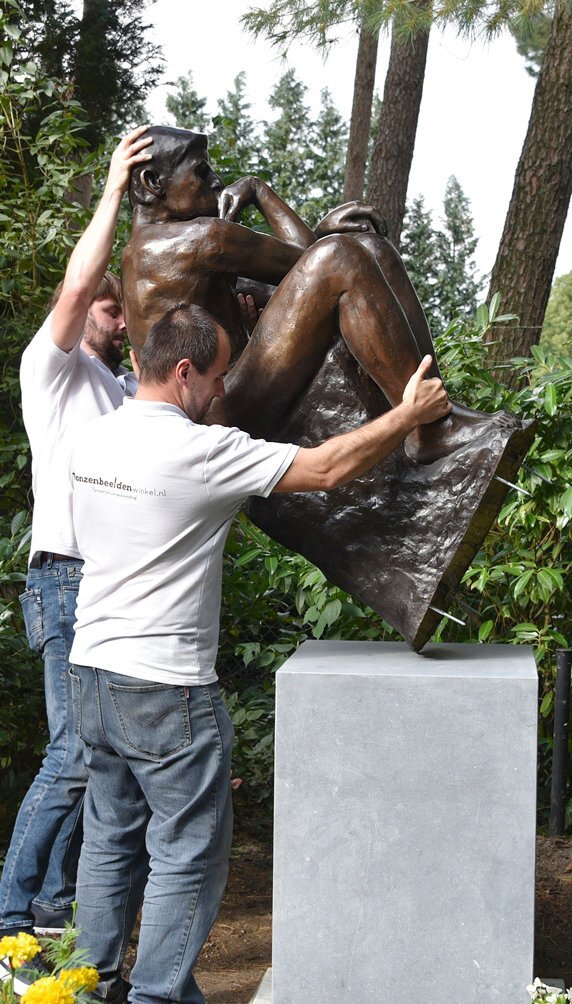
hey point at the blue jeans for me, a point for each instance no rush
(41, 863)
(157, 828)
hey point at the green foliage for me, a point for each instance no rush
(420, 252)
(38, 225)
(327, 139)
(531, 35)
(488, 18)
(556, 334)
(286, 147)
(441, 262)
(235, 145)
(457, 284)
(186, 107)
(281, 21)
(100, 52)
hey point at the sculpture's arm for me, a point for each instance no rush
(285, 223)
(352, 218)
(217, 246)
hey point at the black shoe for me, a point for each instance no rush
(117, 995)
(25, 975)
(51, 921)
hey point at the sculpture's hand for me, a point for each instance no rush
(427, 397)
(236, 197)
(352, 218)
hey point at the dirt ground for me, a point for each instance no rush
(239, 950)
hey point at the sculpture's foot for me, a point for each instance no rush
(428, 443)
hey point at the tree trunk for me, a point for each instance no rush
(81, 191)
(539, 204)
(360, 124)
(395, 141)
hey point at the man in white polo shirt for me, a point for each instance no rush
(153, 485)
(69, 374)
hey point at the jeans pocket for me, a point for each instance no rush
(31, 603)
(76, 697)
(154, 718)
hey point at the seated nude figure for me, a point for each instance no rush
(346, 278)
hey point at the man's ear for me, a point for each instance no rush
(183, 369)
(151, 181)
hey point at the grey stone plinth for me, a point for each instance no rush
(264, 993)
(404, 824)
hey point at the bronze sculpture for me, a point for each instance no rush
(335, 345)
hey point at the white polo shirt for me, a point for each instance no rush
(154, 495)
(61, 391)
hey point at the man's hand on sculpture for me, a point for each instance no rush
(427, 397)
(129, 152)
(134, 363)
(248, 311)
(352, 218)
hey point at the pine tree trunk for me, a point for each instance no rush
(360, 124)
(539, 204)
(395, 141)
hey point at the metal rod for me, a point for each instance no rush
(560, 751)
(449, 616)
(517, 488)
(536, 474)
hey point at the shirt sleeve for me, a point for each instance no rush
(43, 362)
(237, 466)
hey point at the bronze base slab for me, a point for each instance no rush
(401, 537)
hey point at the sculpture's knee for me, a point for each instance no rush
(337, 254)
(384, 252)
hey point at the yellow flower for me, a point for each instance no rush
(48, 990)
(82, 978)
(19, 948)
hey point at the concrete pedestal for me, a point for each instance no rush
(404, 824)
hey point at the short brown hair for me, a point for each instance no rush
(109, 288)
(184, 332)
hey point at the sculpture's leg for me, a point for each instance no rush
(391, 264)
(337, 286)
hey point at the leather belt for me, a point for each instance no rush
(40, 557)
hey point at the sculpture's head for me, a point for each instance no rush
(179, 182)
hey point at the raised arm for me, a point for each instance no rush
(91, 255)
(285, 223)
(345, 457)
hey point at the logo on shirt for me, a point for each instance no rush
(118, 485)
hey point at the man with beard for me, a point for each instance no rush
(70, 373)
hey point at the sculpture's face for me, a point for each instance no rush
(193, 188)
